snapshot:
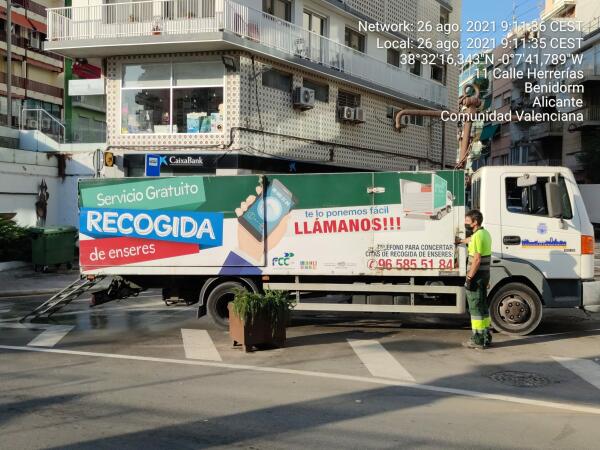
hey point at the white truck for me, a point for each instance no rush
(201, 237)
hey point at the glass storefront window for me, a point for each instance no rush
(182, 97)
(145, 111)
(146, 75)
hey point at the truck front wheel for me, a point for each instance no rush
(218, 299)
(515, 309)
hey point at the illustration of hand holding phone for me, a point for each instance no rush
(272, 210)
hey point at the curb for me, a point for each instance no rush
(24, 293)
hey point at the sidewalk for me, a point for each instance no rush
(24, 281)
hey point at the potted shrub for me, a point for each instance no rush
(259, 318)
(156, 28)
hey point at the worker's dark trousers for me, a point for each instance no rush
(479, 308)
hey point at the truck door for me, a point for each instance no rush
(528, 233)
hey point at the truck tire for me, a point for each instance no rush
(217, 301)
(515, 309)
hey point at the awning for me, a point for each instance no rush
(488, 132)
(17, 18)
(39, 26)
(44, 65)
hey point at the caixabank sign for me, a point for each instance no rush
(349, 223)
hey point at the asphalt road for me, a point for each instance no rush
(137, 374)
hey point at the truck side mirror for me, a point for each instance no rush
(555, 205)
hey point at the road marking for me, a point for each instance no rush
(586, 369)
(198, 345)
(378, 360)
(51, 336)
(331, 376)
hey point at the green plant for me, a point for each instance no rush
(15, 242)
(275, 305)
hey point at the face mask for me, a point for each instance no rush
(468, 230)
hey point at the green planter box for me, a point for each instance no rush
(52, 246)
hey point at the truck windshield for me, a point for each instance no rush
(532, 199)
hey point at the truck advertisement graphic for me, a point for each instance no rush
(426, 195)
(346, 224)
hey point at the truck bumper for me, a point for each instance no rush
(591, 296)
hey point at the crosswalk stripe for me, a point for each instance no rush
(584, 368)
(378, 360)
(51, 336)
(197, 344)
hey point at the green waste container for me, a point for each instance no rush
(53, 246)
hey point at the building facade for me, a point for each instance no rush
(37, 75)
(256, 82)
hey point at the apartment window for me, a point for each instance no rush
(183, 97)
(393, 57)
(348, 99)
(444, 16)
(277, 79)
(498, 102)
(313, 22)
(35, 40)
(506, 99)
(313, 48)
(355, 40)
(416, 120)
(438, 73)
(505, 129)
(417, 68)
(321, 90)
(279, 8)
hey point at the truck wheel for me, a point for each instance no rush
(516, 309)
(217, 301)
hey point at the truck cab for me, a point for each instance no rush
(543, 242)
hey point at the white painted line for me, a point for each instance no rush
(378, 360)
(198, 345)
(331, 376)
(51, 336)
(586, 369)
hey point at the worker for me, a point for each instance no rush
(479, 242)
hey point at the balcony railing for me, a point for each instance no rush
(591, 113)
(558, 7)
(184, 17)
(23, 42)
(31, 85)
(545, 129)
(591, 27)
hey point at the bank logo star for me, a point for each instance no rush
(163, 161)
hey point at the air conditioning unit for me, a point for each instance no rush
(304, 98)
(346, 114)
(31, 124)
(359, 115)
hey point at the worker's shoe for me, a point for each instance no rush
(472, 344)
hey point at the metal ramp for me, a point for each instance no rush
(62, 298)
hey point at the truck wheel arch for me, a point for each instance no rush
(504, 271)
(211, 283)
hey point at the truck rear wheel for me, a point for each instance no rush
(218, 299)
(516, 309)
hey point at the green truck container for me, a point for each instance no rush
(53, 246)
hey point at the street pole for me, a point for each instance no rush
(9, 63)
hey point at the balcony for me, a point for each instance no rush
(161, 26)
(591, 118)
(545, 129)
(559, 8)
